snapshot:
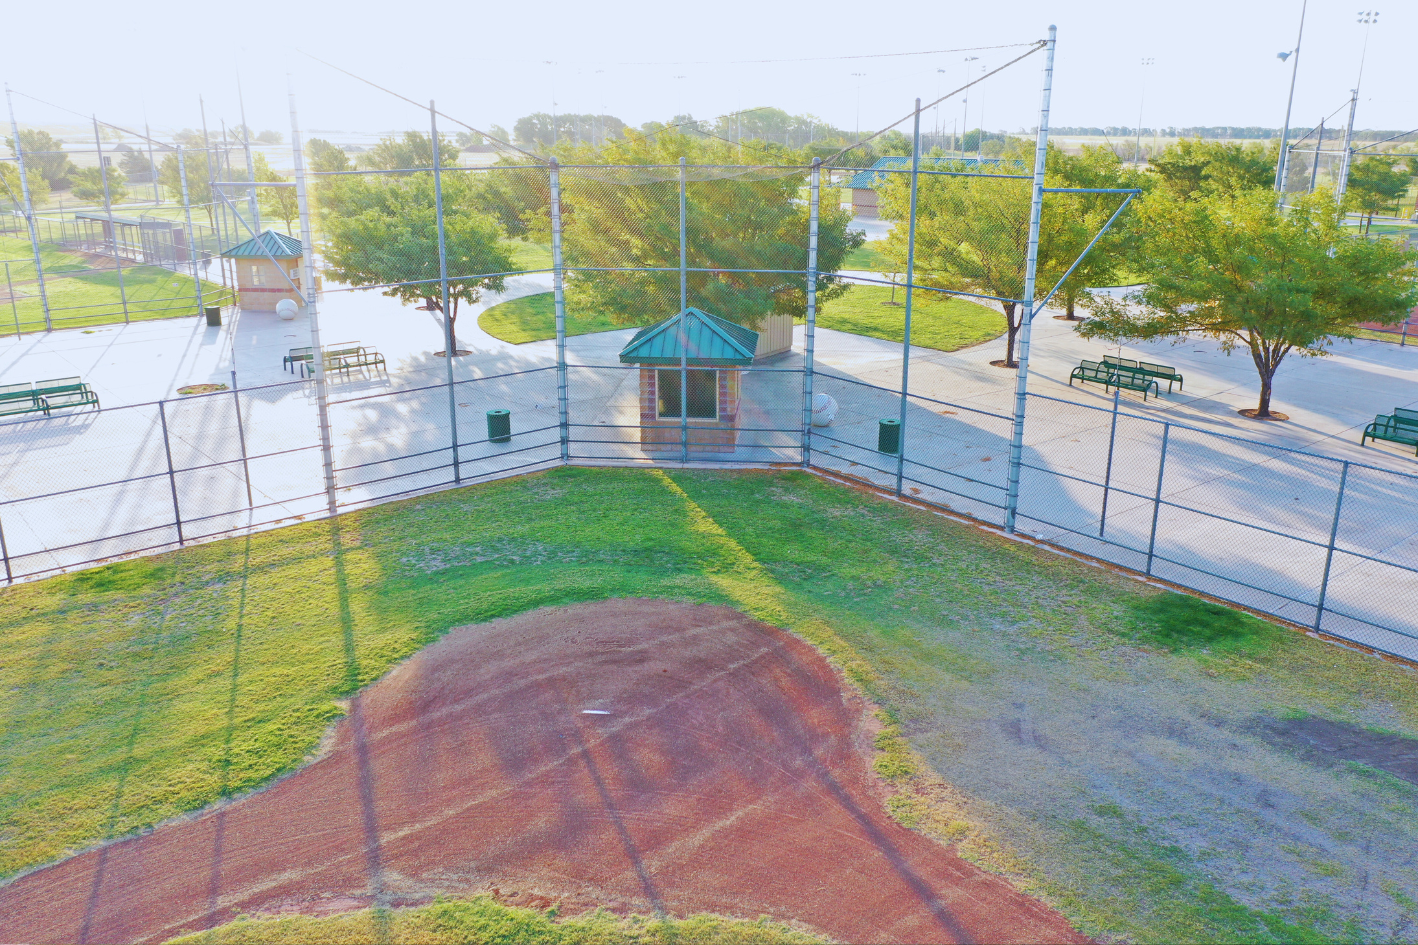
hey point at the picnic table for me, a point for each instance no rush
(1401, 426)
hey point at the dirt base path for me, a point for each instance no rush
(645, 755)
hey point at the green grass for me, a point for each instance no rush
(870, 257)
(80, 297)
(528, 255)
(484, 920)
(533, 318)
(937, 321)
(132, 693)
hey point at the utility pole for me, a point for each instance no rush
(1137, 147)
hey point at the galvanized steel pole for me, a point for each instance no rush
(241, 439)
(1348, 154)
(1108, 475)
(29, 211)
(171, 473)
(1157, 498)
(451, 341)
(112, 227)
(251, 200)
(1282, 166)
(558, 288)
(307, 285)
(1031, 268)
(191, 234)
(1333, 535)
(910, 285)
(810, 329)
(683, 307)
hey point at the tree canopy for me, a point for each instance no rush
(10, 185)
(1376, 183)
(325, 157)
(411, 152)
(44, 153)
(1237, 268)
(624, 218)
(199, 182)
(1192, 166)
(279, 202)
(87, 185)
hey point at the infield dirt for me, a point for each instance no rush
(643, 755)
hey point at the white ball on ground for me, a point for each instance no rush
(824, 410)
(286, 309)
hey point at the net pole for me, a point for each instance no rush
(910, 285)
(250, 167)
(29, 211)
(558, 284)
(810, 328)
(451, 340)
(191, 234)
(112, 227)
(1031, 267)
(683, 310)
(1333, 536)
(308, 294)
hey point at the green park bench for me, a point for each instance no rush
(1399, 427)
(60, 392)
(1110, 376)
(20, 398)
(353, 356)
(296, 356)
(1159, 371)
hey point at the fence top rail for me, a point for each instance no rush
(1178, 425)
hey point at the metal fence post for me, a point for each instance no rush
(191, 234)
(1333, 535)
(112, 227)
(810, 328)
(307, 291)
(452, 340)
(1031, 268)
(5, 554)
(241, 438)
(910, 284)
(14, 308)
(29, 212)
(683, 307)
(558, 284)
(1157, 499)
(1108, 476)
(171, 475)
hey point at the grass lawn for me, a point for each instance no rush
(870, 257)
(1103, 742)
(79, 296)
(528, 255)
(937, 321)
(484, 920)
(533, 318)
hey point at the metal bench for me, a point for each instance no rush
(296, 356)
(1400, 427)
(1111, 375)
(61, 392)
(20, 398)
(1161, 372)
(352, 357)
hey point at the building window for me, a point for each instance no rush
(703, 394)
(258, 278)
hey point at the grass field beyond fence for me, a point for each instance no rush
(1108, 745)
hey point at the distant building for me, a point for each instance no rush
(864, 184)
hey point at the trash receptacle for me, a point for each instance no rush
(499, 426)
(888, 436)
(214, 316)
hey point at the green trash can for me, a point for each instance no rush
(888, 436)
(499, 426)
(214, 316)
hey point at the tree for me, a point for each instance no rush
(411, 152)
(381, 230)
(972, 232)
(1076, 218)
(270, 137)
(469, 139)
(199, 183)
(1236, 268)
(87, 185)
(10, 185)
(136, 165)
(1376, 183)
(326, 158)
(44, 153)
(619, 219)
(1196, 167)
(280, 202)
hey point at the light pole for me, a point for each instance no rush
(859, 76)
(1368, 18)
(1137, 148)
(1281, 164)
(937, 105)
(965, 114)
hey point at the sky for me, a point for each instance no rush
(1213, 62)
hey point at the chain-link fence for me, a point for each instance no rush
(677, 295)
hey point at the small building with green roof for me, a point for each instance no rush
(714, 351)
(263, 265)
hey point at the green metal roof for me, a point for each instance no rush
(713, 342)
(865, 180)
(268, 244)
(99, 216)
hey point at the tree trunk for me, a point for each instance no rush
(1263, 408)
(1069, 311)
(1013, 330)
